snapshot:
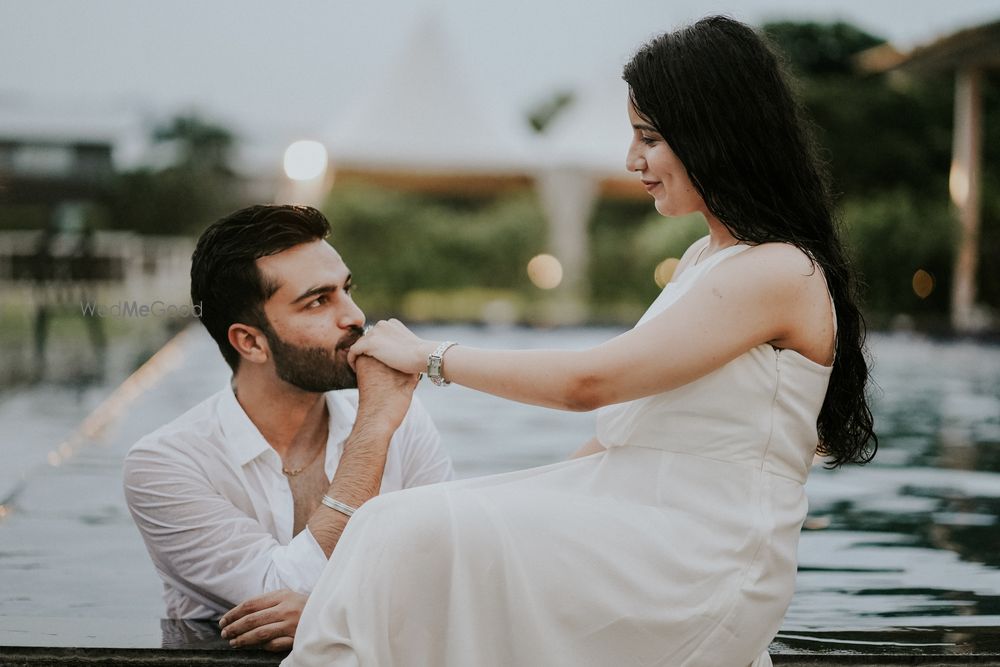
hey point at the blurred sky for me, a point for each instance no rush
(293, 65)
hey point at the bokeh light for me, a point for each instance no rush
(923, 283)
(665, 271)
(545, 271)
(305, 160)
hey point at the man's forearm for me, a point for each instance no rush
(357, 480)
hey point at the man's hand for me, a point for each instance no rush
(268, 621)
(384, 394)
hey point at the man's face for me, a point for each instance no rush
(312, 318)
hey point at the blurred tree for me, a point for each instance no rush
(877, 132)
(891, 236)
(888, 141)
(201, 145)
(198, 186)
(396, 243)
(820, 49)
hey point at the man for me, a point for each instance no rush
(245, 495)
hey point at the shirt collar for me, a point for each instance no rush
(242, 436)
(247, 443)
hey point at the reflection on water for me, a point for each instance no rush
(912, 540)
(915, 536)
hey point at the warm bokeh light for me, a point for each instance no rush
(305, 160)
(665, 271)
(923, 283)
(545, 271)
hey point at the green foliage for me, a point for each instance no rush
(24, 216)
(888, 140)
(989, 249)
(172, 201)
(463, 305)
(397, 243)
(893, 234)
(877, 132)
(660, 238)
(628, 241)
(617, 273)
(819, 49)
(878, 137)
(188, 195)
(202, 146)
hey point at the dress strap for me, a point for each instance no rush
(707, 265)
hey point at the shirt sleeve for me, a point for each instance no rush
(424, 459)
(206, 542)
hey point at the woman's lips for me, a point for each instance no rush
(649, 185)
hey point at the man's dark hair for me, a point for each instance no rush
(225, 278)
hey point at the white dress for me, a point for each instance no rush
(675, 547)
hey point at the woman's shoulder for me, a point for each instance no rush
(779, 278)
(784, 262)
(786, 282)
(773, 274)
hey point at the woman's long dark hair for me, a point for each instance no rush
(717, 94)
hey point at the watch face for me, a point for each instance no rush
(434, 368)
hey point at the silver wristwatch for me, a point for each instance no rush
(434, 363)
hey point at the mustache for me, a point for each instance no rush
(350, 338)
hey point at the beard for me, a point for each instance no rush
(314, 369)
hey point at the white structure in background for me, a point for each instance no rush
(428, 115)
(62, 155)
(43, 132)
(581, 155)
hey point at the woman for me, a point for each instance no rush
(671, 539)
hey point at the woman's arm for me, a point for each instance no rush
(771, 293)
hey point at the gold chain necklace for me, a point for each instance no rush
(296, 471)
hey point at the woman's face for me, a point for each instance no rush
(663, 174)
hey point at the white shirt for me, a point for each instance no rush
(216, 512)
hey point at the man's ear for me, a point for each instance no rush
(250, 342)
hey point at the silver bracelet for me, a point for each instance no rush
(343, 508)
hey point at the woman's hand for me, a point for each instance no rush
(394, 345)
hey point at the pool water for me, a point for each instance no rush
(911, 540)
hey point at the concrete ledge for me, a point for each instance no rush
(49, 657)
(862, 660)
(26, 656)
(44, 642)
